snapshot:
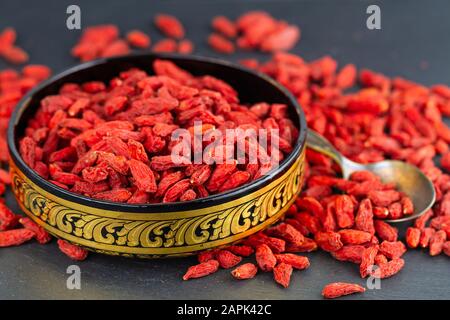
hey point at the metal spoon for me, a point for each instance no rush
(408, 178)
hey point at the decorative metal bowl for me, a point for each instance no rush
(157, 230)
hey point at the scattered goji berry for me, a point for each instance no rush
(72, 251)
(339, 289)
(169, 26)
(425, 237)
(224, 26)
(385, 231)
(392, 250)
(220, 44)
(297, 262)
(388, 269)
(245, 271)
(329, 241)
(241, 250)
(437, 241)
(412, 237)
(15, 237)
(351, 253)
(282, 274)
(368, 260)
(40, 234)
(351, 236)
(265, 258)
(138, 39)
(201, 270)
(227, 259)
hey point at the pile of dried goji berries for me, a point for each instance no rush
(115, 143)
(385, 118)
(104, 40)
(255, 30)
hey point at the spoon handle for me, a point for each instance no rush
(318, 143)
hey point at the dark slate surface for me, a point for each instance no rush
(414, 43)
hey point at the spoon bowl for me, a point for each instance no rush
(408, 178)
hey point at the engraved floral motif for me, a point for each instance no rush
(131, 236)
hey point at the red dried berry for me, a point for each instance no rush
(392, 250)
(328, 241)
(138, 39)
(297, 262)
(220, 44)
(15, 237)
(241, 250)
(201, 270)
(72, 251)
(412, 237)
(245, 271)
(388, 269)
(338, 289)
(385, 231)
(169, 26)
(282, 274)
(41, 235)
(350, 253)
(437, 241)
(227, 259)
(265, 258)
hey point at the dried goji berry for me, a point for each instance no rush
(225, 26)
(8, 219)
(437, 241)
(185, 46)
(138, 39)
(288, 233)
(412, 237)
(201, 270)
(15, 237)
(425, 236)
(297, 262)
(227, 259)
(169, 25)
(364, 217)
(265, 258)
(351, 253)
(282, 274)
(245, 271)
(206, 255)
(392, 249)
(389, 269)
(72, 251)
(241, 250)
(143, 175)
(165, 45)
(41, 235)
(385, 231)
(351, 236)
(308, 245)
(220, 44)
(338, 289)
(328, 241)
(344, 209)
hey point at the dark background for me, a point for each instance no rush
(414, 42)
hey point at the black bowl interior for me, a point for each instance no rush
(252, 87)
